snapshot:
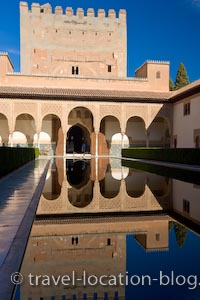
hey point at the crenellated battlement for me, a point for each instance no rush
(37, 9)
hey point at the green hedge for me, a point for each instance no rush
(13, 158)
(179, 155)
(180, 174)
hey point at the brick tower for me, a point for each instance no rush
(72, 44)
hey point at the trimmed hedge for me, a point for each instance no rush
(13, 158)
(189, 156)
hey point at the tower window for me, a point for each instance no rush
(75, 70)
(158, 75)
(157, 237)
(108, 242)
(109, 68)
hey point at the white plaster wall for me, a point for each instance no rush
(183, 126)
(188, 191)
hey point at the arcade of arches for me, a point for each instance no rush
(84, 134)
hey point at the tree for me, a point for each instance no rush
(181, 233)
(171, 85)
(181, 77)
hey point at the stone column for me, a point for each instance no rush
(64, 142)
(11, 139)
(147, 141)
(97, 144)
(123, 194)
(65, 132)
(97, 194)
(38, 140)
(123, 134)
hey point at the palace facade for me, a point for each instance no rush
(73, 94)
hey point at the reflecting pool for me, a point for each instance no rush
(106, 231)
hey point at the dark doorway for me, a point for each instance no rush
(78, 140)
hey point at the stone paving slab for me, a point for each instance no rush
(19, 196)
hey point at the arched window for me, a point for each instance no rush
(78, 114)
(87, 114)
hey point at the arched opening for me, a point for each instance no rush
(78, 172)
(118, 171)
(109, 186)
(78, 140)
(159, 133)
(18, 139)
(25, 124)
(159, 185)
(135, 183)
(52, 187)
(78, 175)
(51, 138)
(83, 197)
(109, 127)
(79, 136)
(136, 132)
(4, 130)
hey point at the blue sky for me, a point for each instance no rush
(157, 29)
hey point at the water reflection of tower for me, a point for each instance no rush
(61, 253)
(60, 246)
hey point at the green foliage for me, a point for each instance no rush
(171, 224)
(37, 152)
(13, 158)
(171, 85)
(181, 77)
(181, 233)
(178, 155)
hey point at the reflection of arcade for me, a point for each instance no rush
(102, 185)
(135, 183)
(78, 176)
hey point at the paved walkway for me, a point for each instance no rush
(19, 196)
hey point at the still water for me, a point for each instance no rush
(105, 231)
